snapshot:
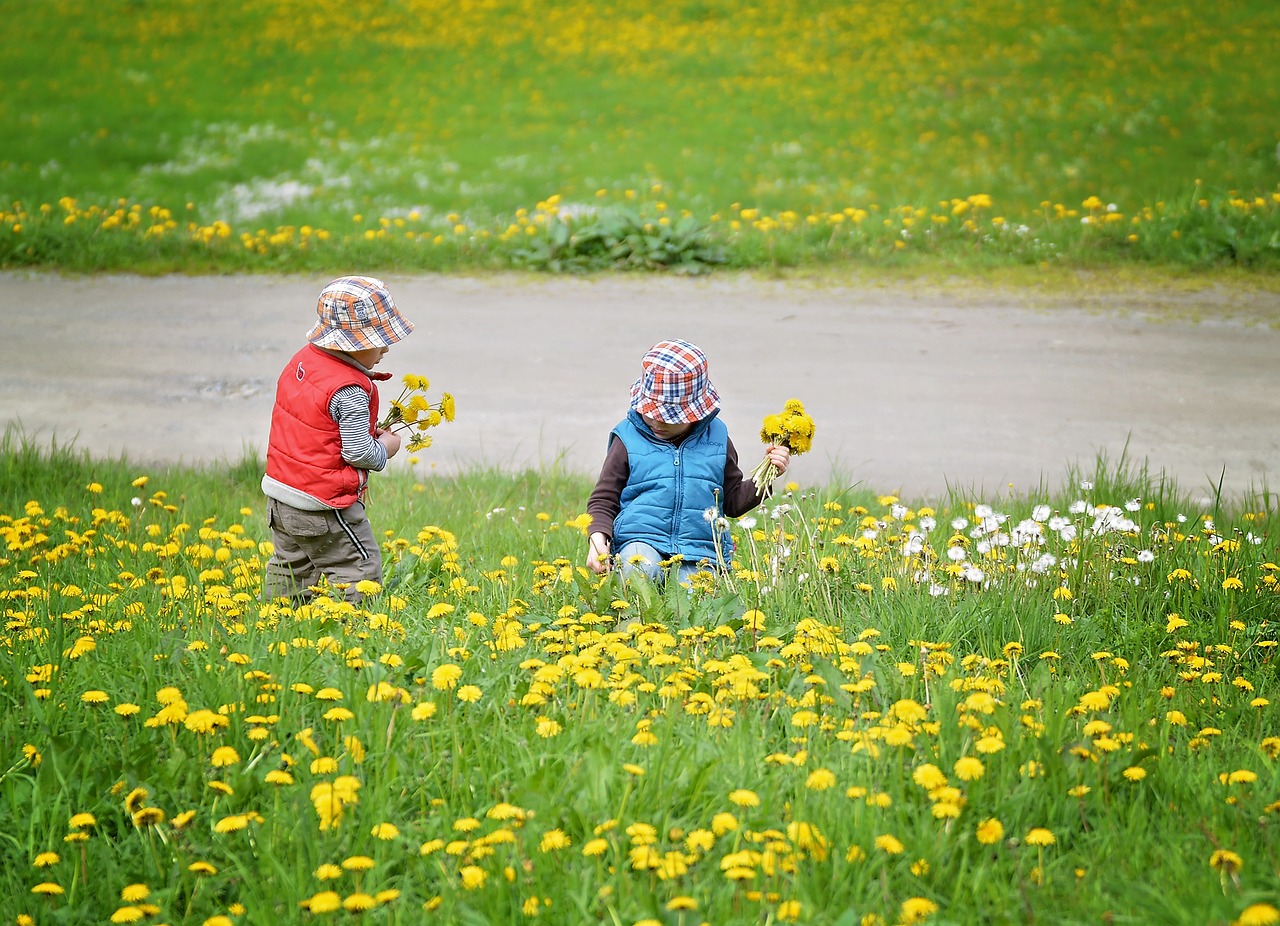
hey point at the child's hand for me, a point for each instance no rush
(390, 440)
(779, 456)
(598, 560)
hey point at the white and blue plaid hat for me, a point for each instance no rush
(673, 384)
(357, 313)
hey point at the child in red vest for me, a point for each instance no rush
(324, 442)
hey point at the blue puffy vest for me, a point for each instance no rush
(670, 489)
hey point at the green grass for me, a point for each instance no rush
(321, 134)
(511, 717)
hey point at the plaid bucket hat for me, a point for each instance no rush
(673, 384)
(357, 313)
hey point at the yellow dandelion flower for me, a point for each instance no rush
(385, 691)
(1135, 773)
(385, 831)
(224, 756)
(358, 902)
(1039, 836)
(45, 859)
(148, 816)
(327, 872)
(232, 823)
(723, 822)
(202, 868)
(915, 909)
(989, 744)
(134, 893)
(127, 914)
(203, 721)
(323, 902)
(969, 768)
(889, 844)
(473, 877)
(1226, 861)
(445, 676)
(742, 797)
(182, 819)
(95, 697)
(358, 863)
(48, 888)
(929, 777)
(990, 831)
(553, 840)
(470, 693)
(820, 779)
(1258, 914)
(324, 765)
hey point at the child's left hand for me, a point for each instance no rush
(779, 456)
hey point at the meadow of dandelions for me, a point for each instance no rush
(1003, 711)
(684, 135)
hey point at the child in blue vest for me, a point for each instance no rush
(325, 441)
(670, 473)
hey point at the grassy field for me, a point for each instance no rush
(682, 134)
(889, 711)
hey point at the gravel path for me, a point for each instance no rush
(914, 388)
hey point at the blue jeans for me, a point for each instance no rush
(647, 562)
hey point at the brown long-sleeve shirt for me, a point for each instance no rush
(740, 494)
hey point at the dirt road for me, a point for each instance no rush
(914, 389)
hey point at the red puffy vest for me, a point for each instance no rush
(305, 447)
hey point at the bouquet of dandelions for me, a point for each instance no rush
(413, 413)
(792, 429)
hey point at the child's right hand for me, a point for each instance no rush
(598, 558)
(390, 440)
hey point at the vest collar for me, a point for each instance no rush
(642, 426)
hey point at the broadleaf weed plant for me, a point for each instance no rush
(881, 711)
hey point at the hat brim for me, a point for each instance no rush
(689, 411)
(347, 339)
